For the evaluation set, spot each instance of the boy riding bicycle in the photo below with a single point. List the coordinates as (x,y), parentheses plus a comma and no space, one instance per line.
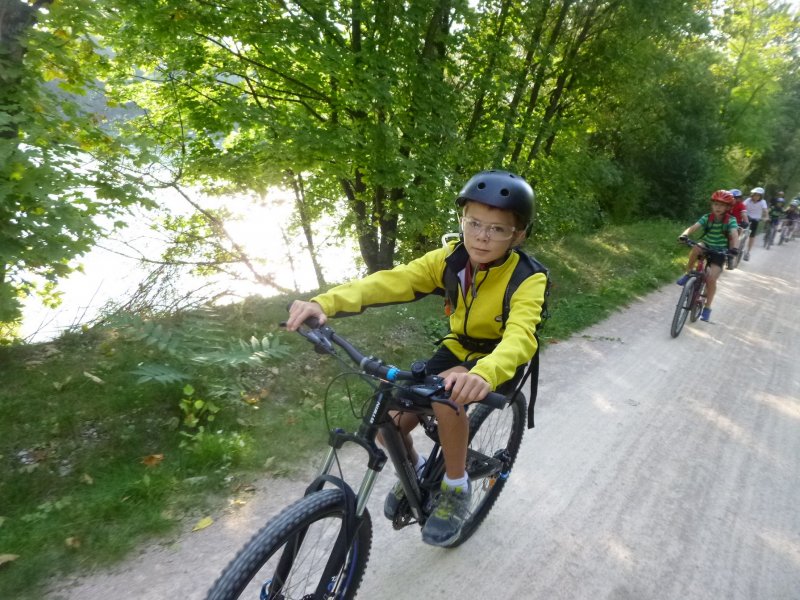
(757,209)
(720,233)
(483,351)
(776,213)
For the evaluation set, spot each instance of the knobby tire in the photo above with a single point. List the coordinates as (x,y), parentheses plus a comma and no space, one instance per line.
(302,539)
(698,299)
(492,433)
(769,236)
(742,249)
(683,307)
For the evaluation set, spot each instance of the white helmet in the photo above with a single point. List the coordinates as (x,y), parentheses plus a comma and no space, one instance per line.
(757,190)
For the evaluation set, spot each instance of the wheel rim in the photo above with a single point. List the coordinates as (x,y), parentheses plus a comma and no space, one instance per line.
(492,439)
(296,555)
(304,574)
(683,308)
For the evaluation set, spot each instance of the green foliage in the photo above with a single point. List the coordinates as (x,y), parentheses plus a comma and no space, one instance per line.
(379,111)
(196,412)
(199,348)
(62,178)
(159,373)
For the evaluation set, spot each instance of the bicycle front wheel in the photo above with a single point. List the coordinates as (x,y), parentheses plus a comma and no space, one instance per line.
(740,254)
(683,307)
(495,435)
(289,558)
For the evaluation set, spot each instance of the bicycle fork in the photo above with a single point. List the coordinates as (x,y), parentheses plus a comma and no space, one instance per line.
(377,460)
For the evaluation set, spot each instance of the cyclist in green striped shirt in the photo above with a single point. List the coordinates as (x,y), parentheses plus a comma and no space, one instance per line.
(720,232)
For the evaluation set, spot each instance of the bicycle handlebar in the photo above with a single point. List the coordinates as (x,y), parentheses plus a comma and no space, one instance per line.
(692,243)
(432,386)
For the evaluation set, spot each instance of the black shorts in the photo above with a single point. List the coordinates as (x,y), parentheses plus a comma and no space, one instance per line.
(716,259)
(444,359)
(753,226)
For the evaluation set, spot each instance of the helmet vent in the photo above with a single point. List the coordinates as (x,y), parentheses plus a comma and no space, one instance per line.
(481,186)
(504,192)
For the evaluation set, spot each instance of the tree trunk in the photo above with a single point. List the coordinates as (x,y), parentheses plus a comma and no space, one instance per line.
(541,72)
(15,17)
(522,84)
(486,75)
(375,210)
(545,128)
(305,224)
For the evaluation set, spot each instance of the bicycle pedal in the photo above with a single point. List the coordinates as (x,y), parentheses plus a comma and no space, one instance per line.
(479,465)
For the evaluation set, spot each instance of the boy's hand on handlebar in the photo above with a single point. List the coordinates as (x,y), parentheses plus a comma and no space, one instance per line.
(299,311)
(683,238)
(465,387)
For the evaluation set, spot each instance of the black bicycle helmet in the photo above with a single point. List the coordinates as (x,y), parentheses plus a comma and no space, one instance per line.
(500,189)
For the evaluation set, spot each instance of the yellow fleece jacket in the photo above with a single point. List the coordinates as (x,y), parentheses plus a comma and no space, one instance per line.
(477,316)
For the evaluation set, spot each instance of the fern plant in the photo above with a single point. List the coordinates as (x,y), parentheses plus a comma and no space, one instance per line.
(199,348)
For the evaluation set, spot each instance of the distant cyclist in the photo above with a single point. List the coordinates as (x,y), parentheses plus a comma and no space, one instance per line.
(739,209)
(720,232)
(740,212)
(792,217)
(776,212)
(757,209)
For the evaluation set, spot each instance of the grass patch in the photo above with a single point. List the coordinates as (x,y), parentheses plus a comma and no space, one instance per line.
(92,462)
(598,274)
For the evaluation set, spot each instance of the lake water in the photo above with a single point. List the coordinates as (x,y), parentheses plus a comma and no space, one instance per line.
(259,229)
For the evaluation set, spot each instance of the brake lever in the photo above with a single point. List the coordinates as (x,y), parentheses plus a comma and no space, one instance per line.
(447,402)
(322,344)
(445,397)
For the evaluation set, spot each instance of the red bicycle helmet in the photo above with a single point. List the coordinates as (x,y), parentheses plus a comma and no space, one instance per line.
(723,196)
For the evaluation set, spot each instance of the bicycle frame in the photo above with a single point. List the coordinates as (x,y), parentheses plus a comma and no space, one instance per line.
(378,419)
(337,522)
(696,284)
(699,273)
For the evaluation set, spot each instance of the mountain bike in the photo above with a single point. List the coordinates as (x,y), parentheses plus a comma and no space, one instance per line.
(772,226)
(318,547)
(693,295)
(744,235)
(786,231)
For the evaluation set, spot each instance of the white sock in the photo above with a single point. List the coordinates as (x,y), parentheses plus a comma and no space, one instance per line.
(462,482)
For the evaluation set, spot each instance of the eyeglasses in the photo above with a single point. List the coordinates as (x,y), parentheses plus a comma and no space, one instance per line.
(492,231)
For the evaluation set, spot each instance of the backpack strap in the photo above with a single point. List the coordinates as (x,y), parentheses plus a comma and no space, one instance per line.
(531,266)
(526,266)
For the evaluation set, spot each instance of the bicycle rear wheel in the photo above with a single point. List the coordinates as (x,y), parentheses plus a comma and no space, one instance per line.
(287,559)
(495,439)
(683,307)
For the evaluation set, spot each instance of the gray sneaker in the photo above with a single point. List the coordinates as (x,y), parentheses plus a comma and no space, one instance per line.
(392,502)
(451,508)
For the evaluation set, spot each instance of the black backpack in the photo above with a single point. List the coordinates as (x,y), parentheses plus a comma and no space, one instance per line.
(526,266)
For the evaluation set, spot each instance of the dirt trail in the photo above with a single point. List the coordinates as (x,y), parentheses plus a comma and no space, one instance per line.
(659,468)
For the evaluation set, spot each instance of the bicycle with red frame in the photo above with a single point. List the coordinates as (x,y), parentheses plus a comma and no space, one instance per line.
(693,294)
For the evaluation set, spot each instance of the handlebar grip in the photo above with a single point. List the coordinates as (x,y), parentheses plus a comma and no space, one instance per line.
(312,323)
(495,400)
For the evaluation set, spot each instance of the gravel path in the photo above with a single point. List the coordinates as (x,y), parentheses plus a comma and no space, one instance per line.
(659,468)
